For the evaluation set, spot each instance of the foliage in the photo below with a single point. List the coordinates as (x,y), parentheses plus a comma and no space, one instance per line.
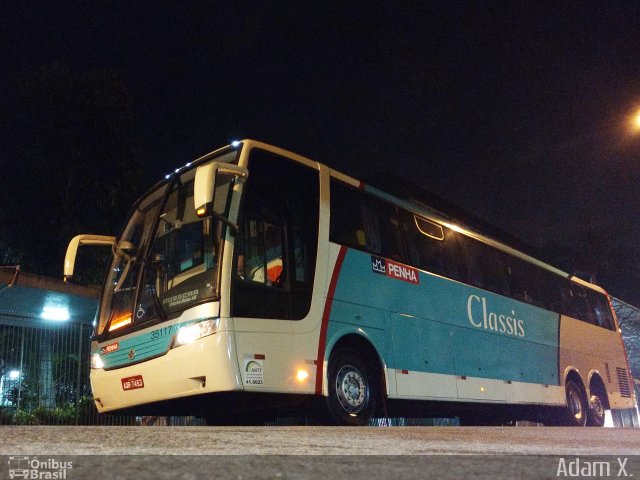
(84,413)
(74,157)
(24,417)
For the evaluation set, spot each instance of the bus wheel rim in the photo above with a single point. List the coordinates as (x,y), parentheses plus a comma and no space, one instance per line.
(597,408)
(575,403)
(352,389)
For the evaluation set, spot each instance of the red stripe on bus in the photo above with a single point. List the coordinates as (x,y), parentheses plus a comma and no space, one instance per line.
(325,317)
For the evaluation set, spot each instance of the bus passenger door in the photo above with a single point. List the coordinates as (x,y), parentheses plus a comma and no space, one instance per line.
(259,275)
(273,274)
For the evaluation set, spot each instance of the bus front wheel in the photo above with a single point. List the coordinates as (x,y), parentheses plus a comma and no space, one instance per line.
(353,389)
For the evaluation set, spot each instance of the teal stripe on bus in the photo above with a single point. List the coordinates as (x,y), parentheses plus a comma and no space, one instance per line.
(443,326)
(139,347)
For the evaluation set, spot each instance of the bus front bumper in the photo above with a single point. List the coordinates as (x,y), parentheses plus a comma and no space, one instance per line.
(207,365)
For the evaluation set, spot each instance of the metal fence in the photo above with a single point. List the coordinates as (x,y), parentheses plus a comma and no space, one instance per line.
(44,373)
(629,320)
(44,376)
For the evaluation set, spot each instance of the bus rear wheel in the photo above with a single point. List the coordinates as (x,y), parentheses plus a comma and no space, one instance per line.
(353,389)
(595,415)
(576,414)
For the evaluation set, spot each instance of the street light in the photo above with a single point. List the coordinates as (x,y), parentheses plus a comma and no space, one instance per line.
(55,313)
(636,121)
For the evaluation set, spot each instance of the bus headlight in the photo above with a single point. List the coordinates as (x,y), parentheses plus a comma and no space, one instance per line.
(193,332)
(96,361)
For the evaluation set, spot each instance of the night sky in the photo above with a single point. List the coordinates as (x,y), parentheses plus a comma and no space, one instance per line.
(514,111)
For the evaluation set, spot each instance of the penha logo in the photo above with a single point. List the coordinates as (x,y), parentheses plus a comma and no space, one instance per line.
(109,348)
(395,270)
(378,265)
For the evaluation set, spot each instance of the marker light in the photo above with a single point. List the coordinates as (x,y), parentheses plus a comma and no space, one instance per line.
(302,375)
(120,322)
(191,333)
(235,143)
(96,361)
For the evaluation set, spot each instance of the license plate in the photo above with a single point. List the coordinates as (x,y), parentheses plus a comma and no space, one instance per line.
(131,383)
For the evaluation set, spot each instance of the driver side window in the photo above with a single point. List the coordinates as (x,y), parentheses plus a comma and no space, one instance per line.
(275,248)
(260,248)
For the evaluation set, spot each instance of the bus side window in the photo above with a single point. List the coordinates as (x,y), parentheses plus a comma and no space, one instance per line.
(346,217)
(581,303)
(552,290)
(382,230)
(260,249)
(487,266)
(601,309)
(570,300)
(427,252)
(526,283)
(276,248)
(361,221)
(371,225)
(431,246)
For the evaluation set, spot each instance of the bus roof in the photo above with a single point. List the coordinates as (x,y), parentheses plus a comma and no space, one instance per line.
(426,211)
(414,206)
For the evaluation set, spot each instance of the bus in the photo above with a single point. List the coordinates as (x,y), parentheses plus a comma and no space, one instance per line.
(255,278)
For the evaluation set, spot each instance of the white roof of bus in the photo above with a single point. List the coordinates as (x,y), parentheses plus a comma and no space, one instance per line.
(425,211)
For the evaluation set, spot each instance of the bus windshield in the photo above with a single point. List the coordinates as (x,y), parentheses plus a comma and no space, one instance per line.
(167,257)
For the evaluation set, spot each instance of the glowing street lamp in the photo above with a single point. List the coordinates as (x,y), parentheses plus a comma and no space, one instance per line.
(632,125)
(636,121)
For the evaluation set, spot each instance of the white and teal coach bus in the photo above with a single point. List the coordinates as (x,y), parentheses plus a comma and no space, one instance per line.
(254,277)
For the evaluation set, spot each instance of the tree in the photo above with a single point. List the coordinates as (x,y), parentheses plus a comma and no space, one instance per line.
(72,163)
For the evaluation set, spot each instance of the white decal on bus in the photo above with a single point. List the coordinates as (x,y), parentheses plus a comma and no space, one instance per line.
(507,324)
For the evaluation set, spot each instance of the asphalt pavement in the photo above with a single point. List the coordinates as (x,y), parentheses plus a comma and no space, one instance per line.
(319,452)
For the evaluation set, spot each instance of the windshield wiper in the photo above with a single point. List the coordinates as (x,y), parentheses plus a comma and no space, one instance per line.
(157,303)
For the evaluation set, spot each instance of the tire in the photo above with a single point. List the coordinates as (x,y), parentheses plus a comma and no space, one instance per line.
(353,389)
(595,413)
(577,409)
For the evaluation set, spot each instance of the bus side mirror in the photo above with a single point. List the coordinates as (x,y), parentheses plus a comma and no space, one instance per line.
(75,243)
(205,184)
